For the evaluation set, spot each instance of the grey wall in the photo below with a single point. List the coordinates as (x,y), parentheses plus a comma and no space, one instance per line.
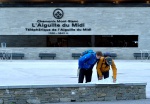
(46,94)
(101,21)
(64,53)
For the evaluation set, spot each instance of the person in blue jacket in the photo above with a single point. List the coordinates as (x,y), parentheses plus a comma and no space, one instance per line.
(86,64)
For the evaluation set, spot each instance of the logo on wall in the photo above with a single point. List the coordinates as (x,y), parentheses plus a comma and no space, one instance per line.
(58,13)
(58,26)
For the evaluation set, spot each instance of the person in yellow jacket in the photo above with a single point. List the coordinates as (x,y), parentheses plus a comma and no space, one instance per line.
(103,67)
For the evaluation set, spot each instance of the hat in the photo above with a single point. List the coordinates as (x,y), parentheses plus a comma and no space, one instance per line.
(108,60)
(107,54)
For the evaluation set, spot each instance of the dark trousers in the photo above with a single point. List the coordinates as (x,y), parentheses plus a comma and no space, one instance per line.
(85,73)
(105,74)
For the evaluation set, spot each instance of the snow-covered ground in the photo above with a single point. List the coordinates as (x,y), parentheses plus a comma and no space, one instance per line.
(47,72)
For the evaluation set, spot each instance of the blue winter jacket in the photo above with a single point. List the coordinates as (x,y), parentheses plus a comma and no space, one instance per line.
(87,61)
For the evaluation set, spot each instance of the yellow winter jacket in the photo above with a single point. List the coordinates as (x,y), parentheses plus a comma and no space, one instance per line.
(102,67)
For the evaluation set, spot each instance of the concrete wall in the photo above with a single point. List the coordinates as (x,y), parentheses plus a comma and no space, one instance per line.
(32,53)
(99,21)
(46,94)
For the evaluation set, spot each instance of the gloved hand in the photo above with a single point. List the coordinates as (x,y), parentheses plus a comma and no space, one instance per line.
(100,78)
(114,80)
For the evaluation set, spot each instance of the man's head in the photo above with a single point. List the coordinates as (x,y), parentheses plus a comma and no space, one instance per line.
(108,60)
(98,54)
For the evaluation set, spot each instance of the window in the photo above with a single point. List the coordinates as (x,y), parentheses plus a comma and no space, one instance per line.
(70,40)
(116,41)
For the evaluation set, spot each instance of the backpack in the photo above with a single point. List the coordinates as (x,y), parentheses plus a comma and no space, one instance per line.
(108,61)
(86,52)
(89,63)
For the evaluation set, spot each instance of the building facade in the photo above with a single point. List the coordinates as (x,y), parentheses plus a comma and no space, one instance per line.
(66,29)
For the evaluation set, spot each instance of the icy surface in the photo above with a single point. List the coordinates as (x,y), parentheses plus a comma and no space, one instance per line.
(48,72)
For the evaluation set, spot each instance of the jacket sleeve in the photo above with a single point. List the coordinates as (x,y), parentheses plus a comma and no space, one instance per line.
(83,60)
(98,67)
(114,69)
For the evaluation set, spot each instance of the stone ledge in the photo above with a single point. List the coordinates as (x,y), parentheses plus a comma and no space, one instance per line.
(72,85)
(42,94)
